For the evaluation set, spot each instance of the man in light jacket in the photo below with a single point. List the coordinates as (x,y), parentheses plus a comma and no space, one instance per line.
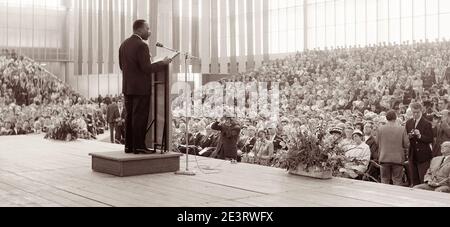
(437,177)
(393,143)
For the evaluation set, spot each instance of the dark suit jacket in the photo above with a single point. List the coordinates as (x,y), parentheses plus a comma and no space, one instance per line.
(207,141)
(248,146)
(420,149)
(196,139)
(277,143)
(442,134)
(20,131)
(112,113)
(227,146)
(375,154)
(136,65)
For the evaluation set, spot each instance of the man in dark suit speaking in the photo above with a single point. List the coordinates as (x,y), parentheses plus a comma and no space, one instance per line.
(136,65)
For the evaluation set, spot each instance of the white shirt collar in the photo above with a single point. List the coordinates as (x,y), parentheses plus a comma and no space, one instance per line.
(417,122)
(139,37)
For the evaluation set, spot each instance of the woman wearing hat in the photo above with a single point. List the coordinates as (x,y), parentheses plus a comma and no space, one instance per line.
(263,148)
(347,141)
(358,156)
(335,134)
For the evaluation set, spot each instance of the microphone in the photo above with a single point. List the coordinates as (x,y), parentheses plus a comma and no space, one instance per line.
(160,45)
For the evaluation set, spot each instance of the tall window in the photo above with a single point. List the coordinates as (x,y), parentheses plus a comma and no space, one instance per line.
(33,27)
(364,22)
(286,26)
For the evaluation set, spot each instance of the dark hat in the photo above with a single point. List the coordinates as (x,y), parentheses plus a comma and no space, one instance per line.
(336,130)
(358,132)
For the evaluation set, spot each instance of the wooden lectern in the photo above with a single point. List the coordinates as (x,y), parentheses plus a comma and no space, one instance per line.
(158,129)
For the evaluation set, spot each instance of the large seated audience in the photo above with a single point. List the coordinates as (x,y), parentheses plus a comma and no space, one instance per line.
(33,100)
(346,90)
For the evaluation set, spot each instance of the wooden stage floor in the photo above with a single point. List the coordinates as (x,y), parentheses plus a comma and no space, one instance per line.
(38,172)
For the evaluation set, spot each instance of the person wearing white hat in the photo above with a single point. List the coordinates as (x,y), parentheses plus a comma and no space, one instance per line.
(358,157)
(437,177)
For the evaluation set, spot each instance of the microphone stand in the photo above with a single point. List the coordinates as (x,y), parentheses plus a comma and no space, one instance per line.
(187,56)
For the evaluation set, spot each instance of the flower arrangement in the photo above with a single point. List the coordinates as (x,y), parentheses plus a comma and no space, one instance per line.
(64,131)
(313,150)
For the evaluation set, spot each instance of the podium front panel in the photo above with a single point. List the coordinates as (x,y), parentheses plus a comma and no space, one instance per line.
(159,117)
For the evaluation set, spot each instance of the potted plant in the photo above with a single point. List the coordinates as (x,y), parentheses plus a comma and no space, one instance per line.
(313,155)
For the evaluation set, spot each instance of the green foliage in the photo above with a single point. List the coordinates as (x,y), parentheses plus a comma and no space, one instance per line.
(313,150)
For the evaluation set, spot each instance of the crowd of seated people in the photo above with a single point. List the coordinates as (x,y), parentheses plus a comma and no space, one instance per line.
(34,101)
(351,89)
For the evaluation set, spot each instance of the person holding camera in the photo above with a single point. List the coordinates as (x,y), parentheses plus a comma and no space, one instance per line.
(229,135)
(420,133)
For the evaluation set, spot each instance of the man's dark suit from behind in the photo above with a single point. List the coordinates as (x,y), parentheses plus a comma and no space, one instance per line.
(112,114)
(136,65)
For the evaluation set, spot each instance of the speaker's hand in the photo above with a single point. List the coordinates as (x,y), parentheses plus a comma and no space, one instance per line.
(167,60)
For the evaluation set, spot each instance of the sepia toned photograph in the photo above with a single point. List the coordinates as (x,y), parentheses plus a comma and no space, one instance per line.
(224,104)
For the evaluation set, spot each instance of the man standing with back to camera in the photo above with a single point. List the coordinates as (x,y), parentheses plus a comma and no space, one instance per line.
(136,65)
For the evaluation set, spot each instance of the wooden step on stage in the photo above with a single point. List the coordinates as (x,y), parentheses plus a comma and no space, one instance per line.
(38,172)
(126,165)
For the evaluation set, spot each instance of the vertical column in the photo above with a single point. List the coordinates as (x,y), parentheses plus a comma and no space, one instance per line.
(65,27)
(214,37)
(67,40)
(95,38)
(90,59)
(185,31)
(223,38)
(135,10)
(86,34)
(165,20)
(33,31)
(258,33)
(142,7)
(100,37)
(195,38)
(95,35)
(65,45)
(438,18)
(115,77)
(176,32)
(266,30)
(242,59)
(111,37)
(305,24)
(19,44)
(84,40)
(130,16)
(76,40)
(206,36)
(105,34)
(122,20)
(367,24)
(79,68)
(250,37)
(233,57)
(153,17)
